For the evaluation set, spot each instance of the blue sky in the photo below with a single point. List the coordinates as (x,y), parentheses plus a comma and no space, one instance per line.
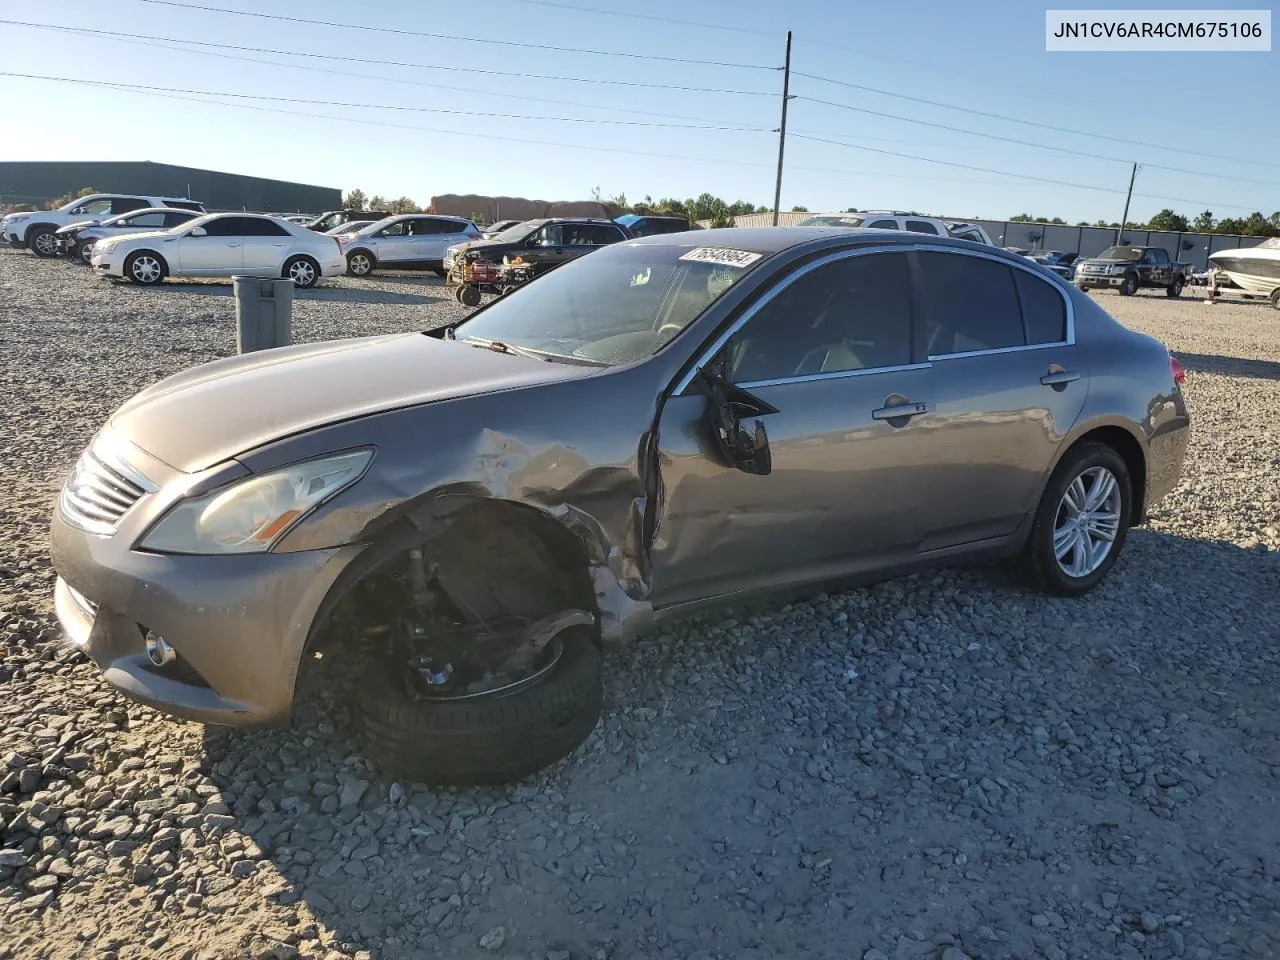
(986,56)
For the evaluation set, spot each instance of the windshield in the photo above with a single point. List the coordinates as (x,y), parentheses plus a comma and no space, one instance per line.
(373,227)
(618,305)
(832,220)
(1121,253)
(351,226)
(515,233)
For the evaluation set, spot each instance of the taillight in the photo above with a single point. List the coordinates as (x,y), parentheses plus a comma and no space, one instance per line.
(1179,375)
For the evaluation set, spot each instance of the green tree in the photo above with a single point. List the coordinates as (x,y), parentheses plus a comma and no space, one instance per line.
(1203,223)
(799,209)
(378,203)
(1230,225)
(1023,218)
(1168,221)
(403,205)
(1256,225)
(68,197)
(354,200)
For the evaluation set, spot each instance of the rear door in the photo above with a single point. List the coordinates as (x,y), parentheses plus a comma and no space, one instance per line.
(430,237)
(266,244)
(1008,385)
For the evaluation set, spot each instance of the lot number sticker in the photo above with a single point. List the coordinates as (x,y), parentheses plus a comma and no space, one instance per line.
(722,257)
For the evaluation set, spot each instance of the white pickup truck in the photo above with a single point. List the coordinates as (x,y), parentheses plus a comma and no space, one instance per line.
(37,230)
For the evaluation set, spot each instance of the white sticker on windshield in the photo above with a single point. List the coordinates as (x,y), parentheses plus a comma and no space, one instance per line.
(722,257)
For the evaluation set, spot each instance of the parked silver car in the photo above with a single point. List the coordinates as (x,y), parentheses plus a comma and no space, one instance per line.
(76,240)
(408,242)
(655,428)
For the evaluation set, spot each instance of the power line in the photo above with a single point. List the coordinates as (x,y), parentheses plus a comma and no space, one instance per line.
(652,19)
(330,71)
(1006,173)
(460,39)
(382,106)
(1026,143)
(1020,120)
(392,63)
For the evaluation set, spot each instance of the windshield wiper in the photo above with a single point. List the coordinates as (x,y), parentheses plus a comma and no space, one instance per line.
(501,346)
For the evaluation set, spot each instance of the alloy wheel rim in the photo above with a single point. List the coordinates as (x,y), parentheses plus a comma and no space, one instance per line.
(359,265)
(302,273)
(1087,522)
(46,243)
(86,252)
(146,269)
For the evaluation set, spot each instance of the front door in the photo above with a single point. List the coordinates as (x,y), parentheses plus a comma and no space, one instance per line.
(219,252)
(1008,385)
(831,351)
(546,248)
(393,243)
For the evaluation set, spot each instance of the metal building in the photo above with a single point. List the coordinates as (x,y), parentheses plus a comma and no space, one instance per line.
(38,182)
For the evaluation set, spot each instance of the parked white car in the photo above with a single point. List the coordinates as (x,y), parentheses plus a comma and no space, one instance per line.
(76,240)
(407,242)
(38,230)
(898,220)
(220,245)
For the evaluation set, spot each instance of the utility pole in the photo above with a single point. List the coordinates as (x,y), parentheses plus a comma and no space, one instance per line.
(1129,196)
(782,128)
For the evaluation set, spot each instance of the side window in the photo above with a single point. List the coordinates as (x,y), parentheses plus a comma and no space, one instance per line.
(176,219)
(97,207)
(227,227)
(125,204)
(262,227)
(398,229)
(971,304)
(922,226)
(154,220)
(1159,256)
(1044,313)
(854,314)
(883,225)
(552,235)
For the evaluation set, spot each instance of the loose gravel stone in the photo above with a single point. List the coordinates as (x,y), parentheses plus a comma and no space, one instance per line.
(914,769)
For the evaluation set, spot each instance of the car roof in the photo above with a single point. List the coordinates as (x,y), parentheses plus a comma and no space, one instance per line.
(771,240)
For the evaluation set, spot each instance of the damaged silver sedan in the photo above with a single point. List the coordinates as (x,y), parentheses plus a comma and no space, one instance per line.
(668,423)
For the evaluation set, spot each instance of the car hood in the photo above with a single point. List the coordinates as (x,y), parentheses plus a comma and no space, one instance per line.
(78,225)
(216,411)
(479,243)
(143,235)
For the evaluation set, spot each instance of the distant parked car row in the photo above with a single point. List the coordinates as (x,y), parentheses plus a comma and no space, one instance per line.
(38,230)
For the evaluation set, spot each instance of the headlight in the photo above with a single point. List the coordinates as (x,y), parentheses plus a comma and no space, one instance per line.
(252,514)
(104,246)
(16,219)
(1116,270)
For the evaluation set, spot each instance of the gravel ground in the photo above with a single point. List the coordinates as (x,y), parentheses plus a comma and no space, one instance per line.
(945,766)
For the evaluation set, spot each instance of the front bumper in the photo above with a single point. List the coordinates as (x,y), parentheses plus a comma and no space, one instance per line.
(108,264)
(1097,280)
(239,624)
(12,239)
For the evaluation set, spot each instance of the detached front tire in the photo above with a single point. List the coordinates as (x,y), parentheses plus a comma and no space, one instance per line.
(1082,521)
(486,739)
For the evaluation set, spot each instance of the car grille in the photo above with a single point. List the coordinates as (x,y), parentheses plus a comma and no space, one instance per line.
(100,490)
(1093,269)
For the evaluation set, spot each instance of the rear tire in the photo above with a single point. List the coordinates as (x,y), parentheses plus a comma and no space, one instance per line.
(303,271)
(1275,298)
(1130,285)
(485,739)
(1040,560)
(145,268)
(1174,289)
(42,241)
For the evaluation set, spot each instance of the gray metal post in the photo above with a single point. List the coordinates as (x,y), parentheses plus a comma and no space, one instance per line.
(1124,219)
(782,129)
(264,313)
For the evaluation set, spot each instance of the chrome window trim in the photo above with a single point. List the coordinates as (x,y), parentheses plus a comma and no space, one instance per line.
(834,375)
(767,297)
(983,255)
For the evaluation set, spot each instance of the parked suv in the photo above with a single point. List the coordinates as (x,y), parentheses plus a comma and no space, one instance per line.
(898,220)
(546,243)
(644,225)
(1129,269)
(76,240)
(38,230)
(336,218)
(411,241)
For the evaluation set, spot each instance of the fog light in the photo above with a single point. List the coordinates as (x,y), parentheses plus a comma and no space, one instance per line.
(158,650)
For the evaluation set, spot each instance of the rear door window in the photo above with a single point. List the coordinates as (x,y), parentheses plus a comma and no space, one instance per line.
(922,226)
(1044,312)
(883,225)
(971,304)
(262,227)
(125,204)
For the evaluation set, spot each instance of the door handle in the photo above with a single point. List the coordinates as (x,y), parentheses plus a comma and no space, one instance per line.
(899,411)
(233,244)
(1059,378)
(280,244)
